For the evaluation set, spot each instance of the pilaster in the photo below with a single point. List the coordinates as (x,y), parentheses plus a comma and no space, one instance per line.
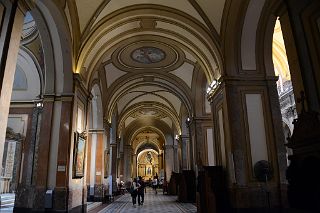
(247,129)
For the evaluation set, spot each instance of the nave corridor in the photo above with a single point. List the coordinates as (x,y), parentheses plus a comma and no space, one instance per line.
(153,203)
(217,101)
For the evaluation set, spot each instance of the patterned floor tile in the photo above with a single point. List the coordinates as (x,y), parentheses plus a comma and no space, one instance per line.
(153,203)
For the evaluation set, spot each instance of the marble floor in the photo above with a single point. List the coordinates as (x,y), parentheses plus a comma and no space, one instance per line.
(155,203)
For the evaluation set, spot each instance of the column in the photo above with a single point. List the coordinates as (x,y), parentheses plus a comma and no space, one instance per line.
(11,17)
(184,140)
(92,165)
(63,158)
(176,158)
(121,167)
(134,165)
(99,154)
(160,159)
(190,146)
(27,189)
(247,129)
(169,155)
(89,173)
(113,163)
(127,163)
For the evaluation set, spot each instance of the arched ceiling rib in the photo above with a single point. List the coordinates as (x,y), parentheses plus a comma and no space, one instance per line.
(149,21)
(147,54)
(149,110)
(140,89)
(91,12)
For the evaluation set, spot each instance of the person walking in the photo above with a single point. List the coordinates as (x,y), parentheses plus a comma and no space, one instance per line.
(155,184)
(134,191)
(141,191)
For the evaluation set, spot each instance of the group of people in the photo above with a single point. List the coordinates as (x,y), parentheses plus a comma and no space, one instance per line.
(137,189)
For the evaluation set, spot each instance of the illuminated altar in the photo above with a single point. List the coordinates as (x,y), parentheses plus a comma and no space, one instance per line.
(148,164)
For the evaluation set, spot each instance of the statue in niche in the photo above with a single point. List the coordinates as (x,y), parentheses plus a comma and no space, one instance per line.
(149,171)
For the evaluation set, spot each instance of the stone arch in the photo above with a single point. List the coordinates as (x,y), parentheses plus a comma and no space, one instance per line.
(135,129)
(249,34)
(56,42)
(33,87)
(276,10)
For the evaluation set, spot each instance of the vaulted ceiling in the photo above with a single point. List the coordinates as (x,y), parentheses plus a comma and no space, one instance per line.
(146,54)
(150,60)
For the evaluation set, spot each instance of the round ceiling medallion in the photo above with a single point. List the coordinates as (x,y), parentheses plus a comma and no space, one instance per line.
(148,55)
(153,54)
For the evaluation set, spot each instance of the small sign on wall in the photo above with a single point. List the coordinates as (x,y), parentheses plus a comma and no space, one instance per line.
(61,168)
(98,173)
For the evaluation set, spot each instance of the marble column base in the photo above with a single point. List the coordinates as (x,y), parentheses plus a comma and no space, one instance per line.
(60,199)
(98,192)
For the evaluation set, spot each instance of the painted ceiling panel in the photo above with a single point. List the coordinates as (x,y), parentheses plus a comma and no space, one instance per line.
(124,100)
(185,72)
(214,10)
(189,56)
(112,34)
(119,90)
(174,100)
(149,97)
(128,121)
(112,74)
(147,88)
(86,10)
(182,5)
(182,31)
(203,47)
(167,121)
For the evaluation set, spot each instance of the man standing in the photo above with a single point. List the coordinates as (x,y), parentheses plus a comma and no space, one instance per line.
(141,191)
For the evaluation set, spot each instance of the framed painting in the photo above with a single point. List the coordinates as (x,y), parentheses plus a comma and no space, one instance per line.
(79,155)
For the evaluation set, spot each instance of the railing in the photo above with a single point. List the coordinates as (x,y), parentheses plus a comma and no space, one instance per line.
(5,185)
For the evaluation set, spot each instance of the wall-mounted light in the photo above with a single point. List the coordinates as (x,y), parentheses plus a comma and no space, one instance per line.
(214,84)
(177,137)
(188,121)
(38,103)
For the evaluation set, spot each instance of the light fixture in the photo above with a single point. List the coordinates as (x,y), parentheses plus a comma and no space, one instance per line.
(214,84)
(38,102)
(177,137)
